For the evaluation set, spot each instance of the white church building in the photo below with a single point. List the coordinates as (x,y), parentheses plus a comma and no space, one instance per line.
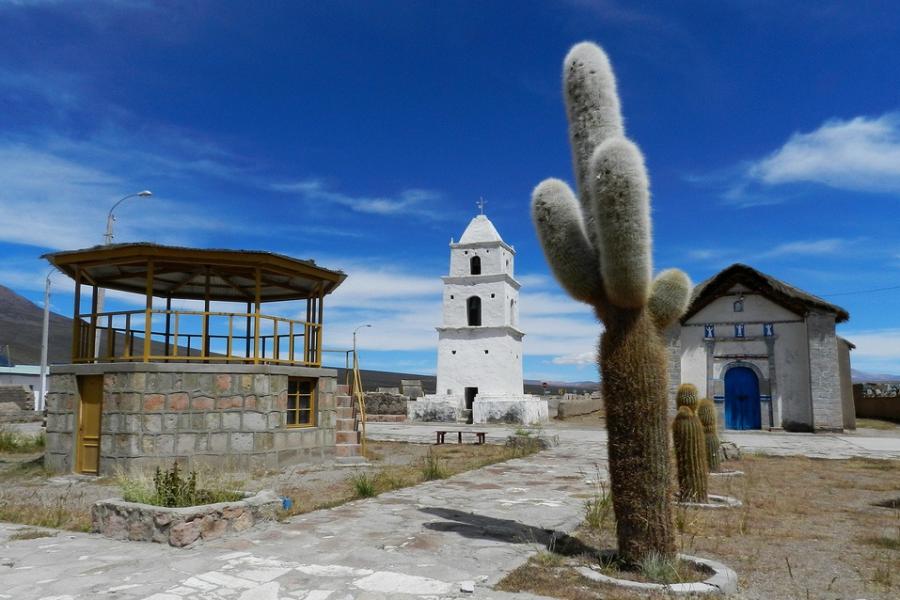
(479,362)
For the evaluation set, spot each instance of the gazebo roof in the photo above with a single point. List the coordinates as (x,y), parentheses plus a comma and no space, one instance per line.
(198,273)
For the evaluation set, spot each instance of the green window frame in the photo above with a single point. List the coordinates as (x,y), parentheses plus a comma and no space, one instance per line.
(301,403)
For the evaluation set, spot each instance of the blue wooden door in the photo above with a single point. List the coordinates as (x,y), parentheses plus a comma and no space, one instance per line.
(742,409)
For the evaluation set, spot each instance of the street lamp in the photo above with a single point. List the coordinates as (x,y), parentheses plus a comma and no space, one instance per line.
(107,240)
(45,338)
(354,338)
(110,218)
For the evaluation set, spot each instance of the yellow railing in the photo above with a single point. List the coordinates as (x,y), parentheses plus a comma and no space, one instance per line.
(197,336)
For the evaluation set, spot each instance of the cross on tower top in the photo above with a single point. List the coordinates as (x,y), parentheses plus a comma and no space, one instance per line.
(481,202)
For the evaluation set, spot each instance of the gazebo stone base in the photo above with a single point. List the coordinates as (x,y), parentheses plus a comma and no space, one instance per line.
(222,416)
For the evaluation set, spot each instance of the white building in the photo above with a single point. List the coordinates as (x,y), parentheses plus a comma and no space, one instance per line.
(479,369)
(766,352)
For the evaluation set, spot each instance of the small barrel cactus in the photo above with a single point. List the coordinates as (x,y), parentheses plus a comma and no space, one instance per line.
(687,396)
(690,456)
(706,412)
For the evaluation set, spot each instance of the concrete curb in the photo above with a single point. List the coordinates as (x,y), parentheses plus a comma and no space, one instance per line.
(715,502)
(722,582)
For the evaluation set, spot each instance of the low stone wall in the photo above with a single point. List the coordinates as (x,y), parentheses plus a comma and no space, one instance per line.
(385,418)
(181,527)
(437,409)
(578,406)
(515,410)
(384,403)
(16,397)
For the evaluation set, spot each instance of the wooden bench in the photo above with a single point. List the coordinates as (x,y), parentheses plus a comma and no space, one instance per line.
(479,436)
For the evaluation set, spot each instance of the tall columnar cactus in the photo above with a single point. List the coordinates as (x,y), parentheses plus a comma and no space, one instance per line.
(598,246)
(690,456)
(687,396)
(706,411)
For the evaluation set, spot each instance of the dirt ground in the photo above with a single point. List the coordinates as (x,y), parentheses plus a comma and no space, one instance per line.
(809,528)
(31,496)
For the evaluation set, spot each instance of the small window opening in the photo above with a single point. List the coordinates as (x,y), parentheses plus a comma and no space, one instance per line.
(492,295)
(473,306)
(485,351)
(475,265)
(301,403)
(453,352)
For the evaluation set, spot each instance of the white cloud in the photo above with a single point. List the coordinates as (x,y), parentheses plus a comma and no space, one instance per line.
(876,350)
(407,202)
(579,359)
(807,248)
(861,154)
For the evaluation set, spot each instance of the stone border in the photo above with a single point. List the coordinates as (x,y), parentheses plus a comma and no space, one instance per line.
(723,580)
(715,501)
(117,519)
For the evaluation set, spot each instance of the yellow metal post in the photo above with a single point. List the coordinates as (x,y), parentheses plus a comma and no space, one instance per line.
(360,402)
(148,313)
(256,317)
(76,318)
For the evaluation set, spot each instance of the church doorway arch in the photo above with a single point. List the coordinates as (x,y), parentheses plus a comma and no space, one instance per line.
(742,401)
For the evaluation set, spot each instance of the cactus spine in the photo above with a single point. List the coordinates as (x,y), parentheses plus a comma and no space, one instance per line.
(690,456)
(687,396)
(706,411)
(599,248)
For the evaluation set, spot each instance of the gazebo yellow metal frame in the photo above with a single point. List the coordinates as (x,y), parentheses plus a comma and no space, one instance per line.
(251,278)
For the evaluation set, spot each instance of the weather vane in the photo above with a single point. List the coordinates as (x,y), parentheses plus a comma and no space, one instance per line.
(481,202)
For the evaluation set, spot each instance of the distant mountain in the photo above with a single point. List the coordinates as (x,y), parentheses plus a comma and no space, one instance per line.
(865,377)
(21,322)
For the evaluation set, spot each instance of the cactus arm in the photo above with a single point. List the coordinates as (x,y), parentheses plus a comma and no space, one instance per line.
(560,228)
(669,297)
(592,107)
(621,207)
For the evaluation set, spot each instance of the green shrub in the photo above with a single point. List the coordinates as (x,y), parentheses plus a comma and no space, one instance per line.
(363,484)
(432,468)
(14,441)
(172,488)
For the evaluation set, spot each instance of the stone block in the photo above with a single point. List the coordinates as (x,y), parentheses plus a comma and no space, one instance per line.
(183,422)
(346,450)
(198,421)
(261,384)
(275,420)
(202,403)
(231,421)
(212,527)
(263,442)
(152,423)
(149,444)
(213,421)
(154,402)
(185,533)
(109,423)
(160,382)
(130,423)
(130,401)
(264,403)
(223,384)
(241,442)
(229,402)
(135,382)
(250,402)
(347,437)
(202,443)
(281,401)
(254,421)
(170,423)
(177,401)
(166,444)
(218,442)
(246,384)
(185,444)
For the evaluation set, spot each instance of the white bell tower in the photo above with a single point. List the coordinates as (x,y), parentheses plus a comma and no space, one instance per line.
(479,344)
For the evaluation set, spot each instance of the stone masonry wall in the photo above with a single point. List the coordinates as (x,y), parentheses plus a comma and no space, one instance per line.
(825,381)
(234,421)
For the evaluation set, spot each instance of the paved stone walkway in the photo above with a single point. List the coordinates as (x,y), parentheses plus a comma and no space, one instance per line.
(430,541)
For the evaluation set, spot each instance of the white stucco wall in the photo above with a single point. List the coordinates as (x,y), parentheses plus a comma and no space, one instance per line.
(496,257)
(494,310)
(790,388)
(463,362)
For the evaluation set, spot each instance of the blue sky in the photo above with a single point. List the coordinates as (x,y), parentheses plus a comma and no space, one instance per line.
(361,134)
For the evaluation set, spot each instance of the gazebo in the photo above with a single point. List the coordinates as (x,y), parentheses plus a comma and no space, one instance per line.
(198,373)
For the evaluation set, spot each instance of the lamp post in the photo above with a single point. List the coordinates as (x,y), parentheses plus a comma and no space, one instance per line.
(107,240)
(45,338)
(111,218)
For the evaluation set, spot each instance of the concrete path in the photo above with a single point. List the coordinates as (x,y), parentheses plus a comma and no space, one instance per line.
(430,541)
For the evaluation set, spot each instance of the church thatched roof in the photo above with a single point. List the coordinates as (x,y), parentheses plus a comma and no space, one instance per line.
(786,295)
